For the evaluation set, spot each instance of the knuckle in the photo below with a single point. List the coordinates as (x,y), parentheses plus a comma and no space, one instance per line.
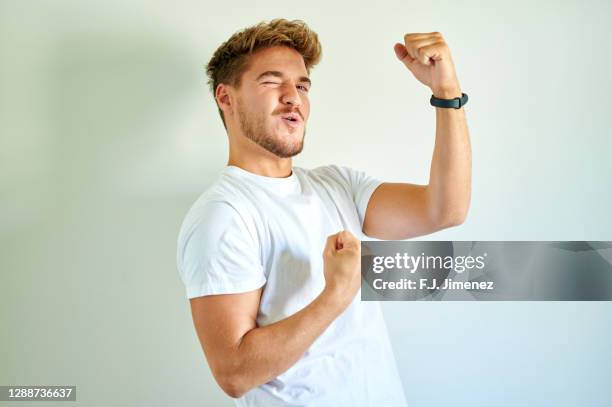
(409,37)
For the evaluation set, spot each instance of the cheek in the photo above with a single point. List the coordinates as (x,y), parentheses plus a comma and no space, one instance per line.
(306,107)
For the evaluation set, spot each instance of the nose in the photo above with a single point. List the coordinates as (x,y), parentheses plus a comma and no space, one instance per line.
(290,96)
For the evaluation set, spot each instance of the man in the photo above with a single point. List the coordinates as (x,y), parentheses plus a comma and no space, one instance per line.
(270,254)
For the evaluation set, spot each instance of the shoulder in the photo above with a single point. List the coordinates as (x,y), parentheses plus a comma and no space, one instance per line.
(217,253)
(329,174)
(339,175)
(224,197)
(330,170)
(215,227)
(213,212)
(216,211)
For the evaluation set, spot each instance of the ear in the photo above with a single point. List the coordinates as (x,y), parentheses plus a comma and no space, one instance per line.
(224,98)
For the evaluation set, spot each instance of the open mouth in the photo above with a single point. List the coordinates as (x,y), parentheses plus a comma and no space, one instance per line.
(291,120)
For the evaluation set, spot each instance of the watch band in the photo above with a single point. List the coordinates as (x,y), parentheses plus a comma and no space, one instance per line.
(455,103)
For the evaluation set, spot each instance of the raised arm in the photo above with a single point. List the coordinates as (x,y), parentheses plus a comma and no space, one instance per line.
(402,210)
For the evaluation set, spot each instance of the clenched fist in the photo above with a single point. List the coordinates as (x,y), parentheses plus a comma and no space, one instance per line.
(342,265)
(428,57)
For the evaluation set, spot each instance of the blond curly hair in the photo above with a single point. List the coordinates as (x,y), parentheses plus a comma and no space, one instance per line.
(230,60)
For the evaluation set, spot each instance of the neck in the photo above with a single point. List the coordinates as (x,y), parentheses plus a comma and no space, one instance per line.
(253,158)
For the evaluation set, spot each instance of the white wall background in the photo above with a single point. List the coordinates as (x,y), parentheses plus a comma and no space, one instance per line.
(108,133)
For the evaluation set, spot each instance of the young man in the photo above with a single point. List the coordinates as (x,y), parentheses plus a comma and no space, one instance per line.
(270,253)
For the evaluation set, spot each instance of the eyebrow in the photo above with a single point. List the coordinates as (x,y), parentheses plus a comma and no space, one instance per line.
(279,74)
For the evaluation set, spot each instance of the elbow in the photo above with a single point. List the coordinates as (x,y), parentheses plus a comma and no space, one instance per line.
(233,390)
(458,219)
(455,222)
(232,374)
(446,213)
(451,218)
(233,384)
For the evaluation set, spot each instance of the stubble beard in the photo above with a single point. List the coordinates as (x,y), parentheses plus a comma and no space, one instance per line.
(253,127)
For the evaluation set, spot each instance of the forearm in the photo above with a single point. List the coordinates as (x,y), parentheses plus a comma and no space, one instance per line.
(451,166)
(268,351)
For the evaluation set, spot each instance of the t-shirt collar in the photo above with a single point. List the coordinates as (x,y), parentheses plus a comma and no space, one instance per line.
(284,185)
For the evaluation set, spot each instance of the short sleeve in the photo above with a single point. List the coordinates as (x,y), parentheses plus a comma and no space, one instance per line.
(362,187)
(216,252)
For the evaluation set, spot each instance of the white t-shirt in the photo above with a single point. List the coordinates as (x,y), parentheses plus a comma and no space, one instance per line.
(248,231)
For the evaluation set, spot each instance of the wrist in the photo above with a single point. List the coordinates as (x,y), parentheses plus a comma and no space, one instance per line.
(336,297)
(447,93)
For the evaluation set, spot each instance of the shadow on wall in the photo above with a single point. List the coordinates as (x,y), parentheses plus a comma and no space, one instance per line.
(84,245)
(111,98)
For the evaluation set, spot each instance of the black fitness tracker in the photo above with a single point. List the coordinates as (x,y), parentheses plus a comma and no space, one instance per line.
(455,103)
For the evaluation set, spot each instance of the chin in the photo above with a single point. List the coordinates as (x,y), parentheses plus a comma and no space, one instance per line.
(290,150)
